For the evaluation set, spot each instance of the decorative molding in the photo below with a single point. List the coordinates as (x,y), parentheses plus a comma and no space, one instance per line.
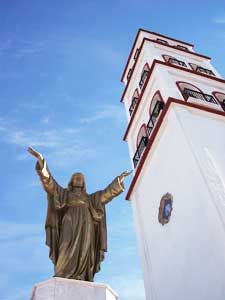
(146,82)
(159,43)
(154,33)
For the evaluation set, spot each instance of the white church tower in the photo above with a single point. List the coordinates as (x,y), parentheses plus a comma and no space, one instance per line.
(175,105)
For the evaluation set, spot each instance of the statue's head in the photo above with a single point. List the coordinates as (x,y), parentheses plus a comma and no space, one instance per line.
(77,180)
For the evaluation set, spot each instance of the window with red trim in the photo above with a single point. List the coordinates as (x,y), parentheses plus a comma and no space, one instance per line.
(155,109)
(142,141)
(174,61)
(200,69)
(129,74)
(142,133)
(144,75)
(166,57)
(220,97)
(189,90)
(134,101)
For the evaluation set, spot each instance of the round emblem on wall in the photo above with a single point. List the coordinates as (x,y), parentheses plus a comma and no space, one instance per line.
(165,208)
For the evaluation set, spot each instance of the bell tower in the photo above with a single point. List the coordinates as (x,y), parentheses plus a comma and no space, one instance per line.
(175,105)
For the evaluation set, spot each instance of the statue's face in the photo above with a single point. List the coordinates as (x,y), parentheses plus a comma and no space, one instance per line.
(78,180)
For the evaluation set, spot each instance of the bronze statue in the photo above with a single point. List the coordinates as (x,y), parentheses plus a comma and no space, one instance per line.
(76,222)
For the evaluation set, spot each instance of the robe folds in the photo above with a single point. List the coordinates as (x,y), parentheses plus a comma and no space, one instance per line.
(76,232)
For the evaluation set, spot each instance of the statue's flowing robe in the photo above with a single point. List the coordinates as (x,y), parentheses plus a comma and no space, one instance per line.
(76,227)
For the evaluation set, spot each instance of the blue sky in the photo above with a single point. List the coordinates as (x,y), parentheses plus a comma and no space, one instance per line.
(61,63)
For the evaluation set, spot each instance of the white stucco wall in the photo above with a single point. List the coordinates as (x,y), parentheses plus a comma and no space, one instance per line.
(164,79)
(137,45)
(150,52)
(184,259)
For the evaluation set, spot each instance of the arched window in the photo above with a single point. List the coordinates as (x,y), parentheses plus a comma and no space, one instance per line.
(142,141)
(166,57)
(157,98)
(144,75)
(141,133)
(190,90)
(187,89)
(155,109)
(220,97)
(174,61)
(200,69)
(134,101)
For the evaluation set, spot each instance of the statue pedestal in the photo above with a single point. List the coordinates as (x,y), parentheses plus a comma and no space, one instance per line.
(70,289)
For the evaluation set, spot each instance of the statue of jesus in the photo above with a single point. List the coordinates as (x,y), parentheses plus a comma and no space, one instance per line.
(76,222)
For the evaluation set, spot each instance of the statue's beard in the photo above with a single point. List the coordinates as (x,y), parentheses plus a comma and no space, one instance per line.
(77,188)
(77,185)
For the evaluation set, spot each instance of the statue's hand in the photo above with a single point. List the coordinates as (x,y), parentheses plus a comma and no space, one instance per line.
(124,174)
(35,153)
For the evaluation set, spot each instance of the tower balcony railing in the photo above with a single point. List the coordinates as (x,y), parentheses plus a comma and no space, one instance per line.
(143,78)
(175,61)
(154,116)
(195,94)
(223,104)
(162,41)
(182,47)
(129,74)
(203,70)
(136,53)
(140,149)
(133,104)
(151,123)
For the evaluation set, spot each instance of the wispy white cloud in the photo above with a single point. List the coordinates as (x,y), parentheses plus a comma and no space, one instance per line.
(60,144)
(61,45)
(64,145)
(24,138)
(220,20)
(19,48)
(45,119)
(39,137)
(72,154)
(108,112)
(55,138)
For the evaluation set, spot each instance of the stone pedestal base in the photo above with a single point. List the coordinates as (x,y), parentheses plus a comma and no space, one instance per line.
(70,289)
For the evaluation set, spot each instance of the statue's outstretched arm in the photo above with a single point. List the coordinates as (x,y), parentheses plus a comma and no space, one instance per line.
(49,183)
(115,188)
(36,154)
(41,161)
(124,174)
